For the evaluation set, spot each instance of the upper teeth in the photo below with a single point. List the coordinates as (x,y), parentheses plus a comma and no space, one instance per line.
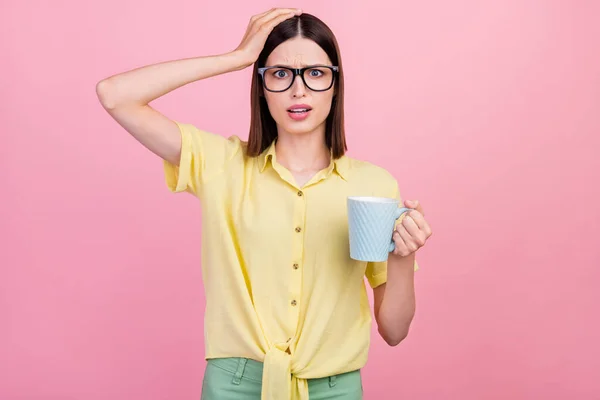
(299,109)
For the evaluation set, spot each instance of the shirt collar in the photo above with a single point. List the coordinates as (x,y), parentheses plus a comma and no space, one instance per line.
(341,165)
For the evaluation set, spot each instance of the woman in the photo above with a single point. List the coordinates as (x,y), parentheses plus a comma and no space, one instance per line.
(287,313)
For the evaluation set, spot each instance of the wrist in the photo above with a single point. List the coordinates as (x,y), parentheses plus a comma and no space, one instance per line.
(401,263)
(239,59)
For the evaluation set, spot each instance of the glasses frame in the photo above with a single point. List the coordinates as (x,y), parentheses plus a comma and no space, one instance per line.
(298,72)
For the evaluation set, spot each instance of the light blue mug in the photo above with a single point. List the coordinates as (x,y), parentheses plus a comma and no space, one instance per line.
(371,222)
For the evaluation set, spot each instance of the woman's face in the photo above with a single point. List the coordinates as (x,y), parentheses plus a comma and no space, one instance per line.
(298,53)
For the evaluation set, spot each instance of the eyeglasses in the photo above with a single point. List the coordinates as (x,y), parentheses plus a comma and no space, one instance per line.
(318,78)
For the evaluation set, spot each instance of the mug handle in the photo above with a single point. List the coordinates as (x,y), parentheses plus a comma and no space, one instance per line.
(399,212)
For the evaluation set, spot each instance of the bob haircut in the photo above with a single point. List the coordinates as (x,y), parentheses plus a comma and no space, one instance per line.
(263,130)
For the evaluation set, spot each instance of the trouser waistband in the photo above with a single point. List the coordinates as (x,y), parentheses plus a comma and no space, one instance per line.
(250,369)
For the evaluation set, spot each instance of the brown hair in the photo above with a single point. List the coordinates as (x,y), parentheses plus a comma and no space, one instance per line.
(263,129)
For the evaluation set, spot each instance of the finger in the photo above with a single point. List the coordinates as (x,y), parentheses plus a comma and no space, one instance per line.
(418,236)
(272,10)
(418,218)
(401,249)
(415,205)
(420,209)
(410,225)
(270,24)
(276,13)
(407,239)
(257,16)
(427,229)
(421,222)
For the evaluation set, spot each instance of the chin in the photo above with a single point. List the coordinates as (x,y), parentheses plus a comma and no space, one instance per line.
(300,127)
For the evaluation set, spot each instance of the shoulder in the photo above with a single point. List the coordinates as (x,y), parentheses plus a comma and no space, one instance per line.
(210,141)
(362,169)
(369,175)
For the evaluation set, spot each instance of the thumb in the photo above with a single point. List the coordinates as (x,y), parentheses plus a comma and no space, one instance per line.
(411,203)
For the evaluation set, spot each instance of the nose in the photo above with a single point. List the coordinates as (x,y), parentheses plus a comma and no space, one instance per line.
(298,88)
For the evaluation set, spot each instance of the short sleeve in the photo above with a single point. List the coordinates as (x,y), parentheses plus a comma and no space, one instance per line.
(376,272)
(204,155)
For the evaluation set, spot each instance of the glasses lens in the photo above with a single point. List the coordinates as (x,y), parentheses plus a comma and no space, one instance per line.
(317,78)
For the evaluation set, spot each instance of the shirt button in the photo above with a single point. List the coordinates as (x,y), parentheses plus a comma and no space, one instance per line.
(298,229)
(300,193)
(294,302)
(296,266)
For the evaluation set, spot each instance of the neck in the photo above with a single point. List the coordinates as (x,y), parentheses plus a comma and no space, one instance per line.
(302,152)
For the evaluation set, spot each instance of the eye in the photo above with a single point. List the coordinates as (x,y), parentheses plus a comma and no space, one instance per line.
(280,73)
(315,73)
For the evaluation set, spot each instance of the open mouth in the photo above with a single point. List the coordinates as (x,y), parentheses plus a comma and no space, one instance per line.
(299,110)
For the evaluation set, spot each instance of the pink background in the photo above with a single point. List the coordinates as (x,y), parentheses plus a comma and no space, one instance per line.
(487,112)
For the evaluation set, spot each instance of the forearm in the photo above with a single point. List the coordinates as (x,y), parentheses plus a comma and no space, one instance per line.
(397,308)
(142,85)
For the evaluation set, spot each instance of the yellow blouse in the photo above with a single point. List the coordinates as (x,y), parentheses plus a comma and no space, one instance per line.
(280,285)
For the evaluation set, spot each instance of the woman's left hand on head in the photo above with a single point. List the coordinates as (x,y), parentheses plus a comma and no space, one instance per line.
(413,231)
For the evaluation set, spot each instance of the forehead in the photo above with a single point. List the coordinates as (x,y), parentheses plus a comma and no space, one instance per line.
(298,52)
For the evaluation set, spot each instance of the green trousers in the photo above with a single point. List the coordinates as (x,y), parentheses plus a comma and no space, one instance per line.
(241,379)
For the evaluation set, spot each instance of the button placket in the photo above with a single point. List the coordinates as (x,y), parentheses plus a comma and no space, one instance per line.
(297,251)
